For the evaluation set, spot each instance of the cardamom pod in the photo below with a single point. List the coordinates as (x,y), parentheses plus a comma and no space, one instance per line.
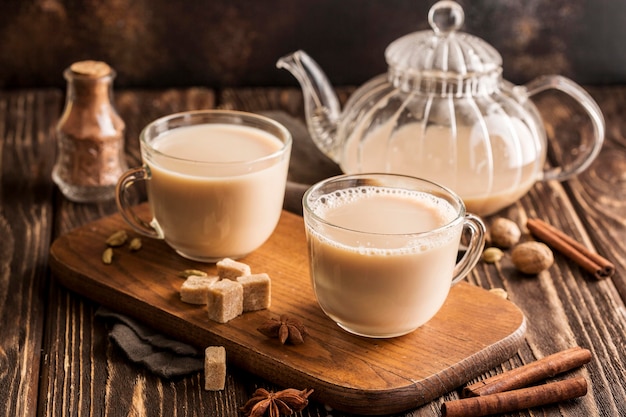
(107,256)
(499,292)
(492,255)
(135,244)
(189,272)
(117,239)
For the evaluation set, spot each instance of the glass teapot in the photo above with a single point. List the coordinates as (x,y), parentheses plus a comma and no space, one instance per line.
(443,112)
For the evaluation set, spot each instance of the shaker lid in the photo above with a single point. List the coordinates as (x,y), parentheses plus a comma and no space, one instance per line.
(443,57)
(89,68)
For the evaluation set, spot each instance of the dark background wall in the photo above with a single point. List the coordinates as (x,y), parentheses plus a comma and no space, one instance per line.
(168,43)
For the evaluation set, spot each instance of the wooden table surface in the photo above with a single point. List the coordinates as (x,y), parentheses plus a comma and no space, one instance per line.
(56,357)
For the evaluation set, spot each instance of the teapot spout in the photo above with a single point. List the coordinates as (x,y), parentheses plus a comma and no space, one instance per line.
(321,105)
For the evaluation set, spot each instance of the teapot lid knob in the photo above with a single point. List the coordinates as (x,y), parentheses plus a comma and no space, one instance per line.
(446,16)
(443,60)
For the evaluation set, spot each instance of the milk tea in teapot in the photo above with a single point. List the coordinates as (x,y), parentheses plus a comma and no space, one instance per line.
(488,177)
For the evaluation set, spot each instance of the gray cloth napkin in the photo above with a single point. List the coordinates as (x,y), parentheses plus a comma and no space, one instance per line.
(142,344)
(170,358)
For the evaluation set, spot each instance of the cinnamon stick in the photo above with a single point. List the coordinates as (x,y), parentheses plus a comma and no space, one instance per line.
(590,261)
(533,372)
(516,400)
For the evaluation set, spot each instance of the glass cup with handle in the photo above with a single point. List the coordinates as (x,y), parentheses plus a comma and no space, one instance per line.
(215,181)
(383,250)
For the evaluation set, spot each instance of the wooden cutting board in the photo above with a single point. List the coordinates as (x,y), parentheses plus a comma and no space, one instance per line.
(473,332)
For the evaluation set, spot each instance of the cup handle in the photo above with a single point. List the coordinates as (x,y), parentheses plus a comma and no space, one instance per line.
(587,153)
(474,247)
(127,179)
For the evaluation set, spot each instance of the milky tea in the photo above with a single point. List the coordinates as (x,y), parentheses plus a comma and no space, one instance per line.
(215,189)
(382,259)
(485,188)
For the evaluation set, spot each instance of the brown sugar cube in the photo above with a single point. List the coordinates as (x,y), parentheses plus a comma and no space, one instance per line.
(225,300)
(194,289)
(256,291)
(214,368)
(229,269)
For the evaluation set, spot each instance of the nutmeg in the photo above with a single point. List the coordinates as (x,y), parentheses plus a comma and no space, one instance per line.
(504,233)
(532,257)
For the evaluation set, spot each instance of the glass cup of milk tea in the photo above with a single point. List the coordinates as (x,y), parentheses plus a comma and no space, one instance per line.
(383,250)
(215,181)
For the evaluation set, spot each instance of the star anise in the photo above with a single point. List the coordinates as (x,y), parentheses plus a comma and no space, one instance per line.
(275,404)
(286,329)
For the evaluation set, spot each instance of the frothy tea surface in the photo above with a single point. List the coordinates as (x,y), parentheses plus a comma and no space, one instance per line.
(380,210)
(392,278)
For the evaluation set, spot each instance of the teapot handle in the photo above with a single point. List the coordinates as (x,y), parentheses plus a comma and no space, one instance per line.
(587,154)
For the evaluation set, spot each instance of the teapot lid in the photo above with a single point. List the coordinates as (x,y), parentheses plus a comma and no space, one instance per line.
(443,59)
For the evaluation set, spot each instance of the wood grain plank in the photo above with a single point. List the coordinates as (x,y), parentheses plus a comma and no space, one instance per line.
(598,206)
(25,230)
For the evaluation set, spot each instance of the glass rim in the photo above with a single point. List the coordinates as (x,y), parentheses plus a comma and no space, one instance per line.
(461,211)
(223,117)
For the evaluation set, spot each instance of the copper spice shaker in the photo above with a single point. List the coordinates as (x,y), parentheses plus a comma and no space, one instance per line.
(90,135)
